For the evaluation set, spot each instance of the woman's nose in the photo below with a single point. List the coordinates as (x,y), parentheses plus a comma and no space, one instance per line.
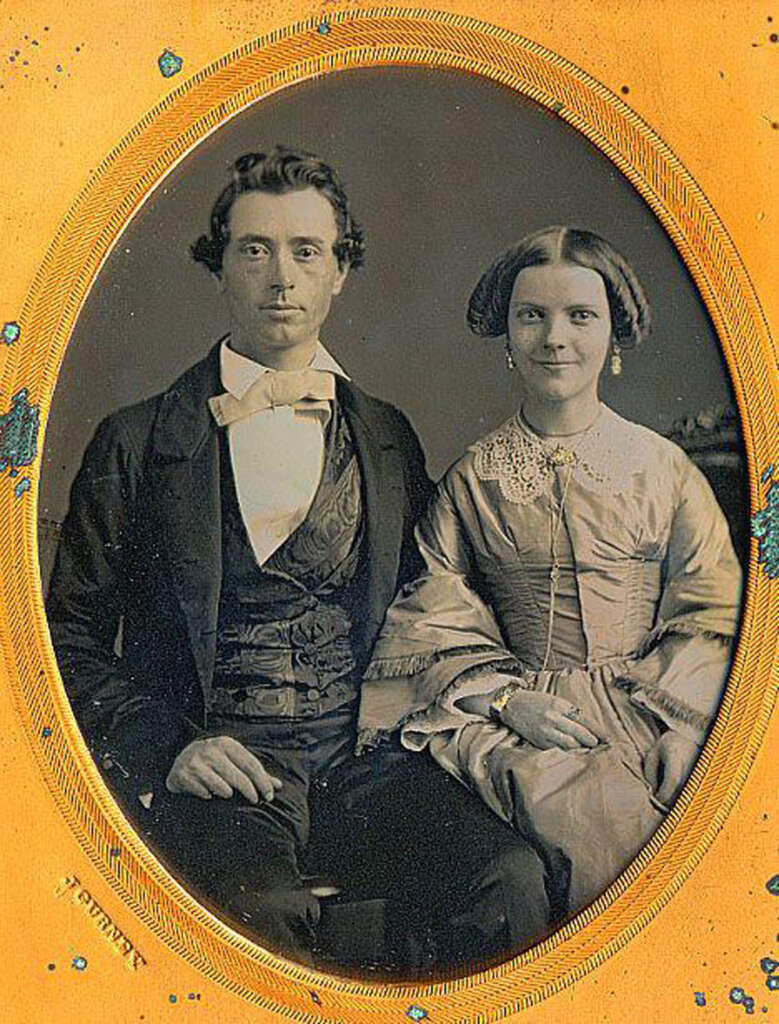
(555,333)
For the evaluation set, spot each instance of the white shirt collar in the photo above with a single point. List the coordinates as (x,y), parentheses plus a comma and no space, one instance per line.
(238,372)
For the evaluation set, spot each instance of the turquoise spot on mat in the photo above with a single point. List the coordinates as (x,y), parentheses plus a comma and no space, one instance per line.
(19,433)
(79,962)
(22,486)
(773,885)
(324,28)
(772,982)
(416,1013)
(11,332)
(169,63)
(46,731)
(700,999)
(765,527)
(768,965)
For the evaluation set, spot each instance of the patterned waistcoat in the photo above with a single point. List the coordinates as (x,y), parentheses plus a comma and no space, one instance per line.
(284,647)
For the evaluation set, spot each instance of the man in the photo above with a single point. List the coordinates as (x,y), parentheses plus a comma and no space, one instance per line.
(244,532)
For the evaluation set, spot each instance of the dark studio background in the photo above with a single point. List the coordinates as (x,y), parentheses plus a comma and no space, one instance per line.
(444,171)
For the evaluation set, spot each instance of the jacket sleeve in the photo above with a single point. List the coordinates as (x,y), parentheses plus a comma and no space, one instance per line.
(419,491)
(128,729)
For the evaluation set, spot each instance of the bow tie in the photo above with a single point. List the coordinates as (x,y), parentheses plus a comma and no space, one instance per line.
(306,388)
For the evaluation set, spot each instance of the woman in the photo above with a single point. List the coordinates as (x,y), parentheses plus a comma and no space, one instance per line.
(565,651)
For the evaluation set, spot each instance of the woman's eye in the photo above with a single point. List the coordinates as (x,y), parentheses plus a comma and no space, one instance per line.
(307,252)
(529,316)
(582,315)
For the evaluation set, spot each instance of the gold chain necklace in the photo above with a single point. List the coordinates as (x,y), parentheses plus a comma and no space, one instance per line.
(559,457)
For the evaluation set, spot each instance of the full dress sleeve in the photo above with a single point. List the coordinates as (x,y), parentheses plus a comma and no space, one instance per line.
(686,656)
(438,629)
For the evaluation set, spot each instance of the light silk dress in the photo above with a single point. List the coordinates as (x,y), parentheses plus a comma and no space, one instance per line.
(646,603)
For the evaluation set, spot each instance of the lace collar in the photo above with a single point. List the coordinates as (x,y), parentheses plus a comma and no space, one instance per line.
(603,458)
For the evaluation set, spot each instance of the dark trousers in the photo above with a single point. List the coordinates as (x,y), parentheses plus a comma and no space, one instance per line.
(389,825)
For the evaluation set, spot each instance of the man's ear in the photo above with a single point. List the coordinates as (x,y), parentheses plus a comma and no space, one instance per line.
(340,278)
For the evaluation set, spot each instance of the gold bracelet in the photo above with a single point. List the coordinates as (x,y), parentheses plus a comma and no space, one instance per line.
(502,697)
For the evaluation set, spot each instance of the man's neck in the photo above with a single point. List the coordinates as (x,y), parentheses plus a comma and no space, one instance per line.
(296,357)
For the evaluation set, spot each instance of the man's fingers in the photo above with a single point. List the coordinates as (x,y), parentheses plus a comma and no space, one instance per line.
(214,782)
(184,783)
(264,783)
(236,779)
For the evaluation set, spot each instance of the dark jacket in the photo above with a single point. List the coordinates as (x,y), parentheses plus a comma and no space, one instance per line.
(140,554)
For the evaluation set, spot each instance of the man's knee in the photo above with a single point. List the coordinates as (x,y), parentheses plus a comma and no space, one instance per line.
(284,919)
(507,904)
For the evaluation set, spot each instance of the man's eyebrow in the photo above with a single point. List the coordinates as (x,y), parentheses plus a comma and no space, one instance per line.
(297,240)
(253,238)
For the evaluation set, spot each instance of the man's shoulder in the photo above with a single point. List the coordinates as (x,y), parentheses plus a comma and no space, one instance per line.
(361,402)
(137,421)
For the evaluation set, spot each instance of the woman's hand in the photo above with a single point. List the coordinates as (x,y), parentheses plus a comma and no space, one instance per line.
(547,721)
(668,764)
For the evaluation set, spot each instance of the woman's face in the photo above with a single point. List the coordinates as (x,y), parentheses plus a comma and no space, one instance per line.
(559,330)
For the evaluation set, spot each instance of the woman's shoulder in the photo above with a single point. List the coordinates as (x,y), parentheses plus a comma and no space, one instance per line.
(640,444)
(637,435)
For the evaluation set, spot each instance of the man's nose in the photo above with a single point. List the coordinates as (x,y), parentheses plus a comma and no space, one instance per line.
(282,271)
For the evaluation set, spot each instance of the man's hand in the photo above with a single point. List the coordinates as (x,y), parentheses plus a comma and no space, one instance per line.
(668,764)
(548,721)
(217,767)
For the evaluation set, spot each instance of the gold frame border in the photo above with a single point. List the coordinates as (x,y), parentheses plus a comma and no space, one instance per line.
(370,38)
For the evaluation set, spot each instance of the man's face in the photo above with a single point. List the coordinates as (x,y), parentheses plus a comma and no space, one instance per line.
(279,271)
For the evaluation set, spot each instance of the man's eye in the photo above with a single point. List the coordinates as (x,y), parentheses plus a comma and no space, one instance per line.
(254,250)
(582,315)
(307,252)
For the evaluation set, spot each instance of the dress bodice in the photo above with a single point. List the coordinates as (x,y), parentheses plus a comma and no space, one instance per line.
(608,590)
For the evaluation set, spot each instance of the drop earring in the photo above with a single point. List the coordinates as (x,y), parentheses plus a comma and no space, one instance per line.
(616,360)
(510,364)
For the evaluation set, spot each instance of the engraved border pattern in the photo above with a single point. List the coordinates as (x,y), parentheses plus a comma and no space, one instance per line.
(369,38)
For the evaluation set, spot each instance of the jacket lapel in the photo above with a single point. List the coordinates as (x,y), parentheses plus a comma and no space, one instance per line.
(184,471)
(185,480)
(383,495)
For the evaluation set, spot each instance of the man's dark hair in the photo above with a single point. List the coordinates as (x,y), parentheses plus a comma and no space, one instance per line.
(283,170)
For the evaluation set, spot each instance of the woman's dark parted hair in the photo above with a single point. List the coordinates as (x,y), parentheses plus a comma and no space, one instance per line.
(283,170)
(630,313)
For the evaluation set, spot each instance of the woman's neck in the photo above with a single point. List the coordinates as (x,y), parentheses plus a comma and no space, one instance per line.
(561,419)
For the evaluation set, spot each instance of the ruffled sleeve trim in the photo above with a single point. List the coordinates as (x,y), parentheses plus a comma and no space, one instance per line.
(682,628)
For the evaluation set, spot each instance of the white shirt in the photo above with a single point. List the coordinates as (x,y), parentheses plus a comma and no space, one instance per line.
(277,454)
